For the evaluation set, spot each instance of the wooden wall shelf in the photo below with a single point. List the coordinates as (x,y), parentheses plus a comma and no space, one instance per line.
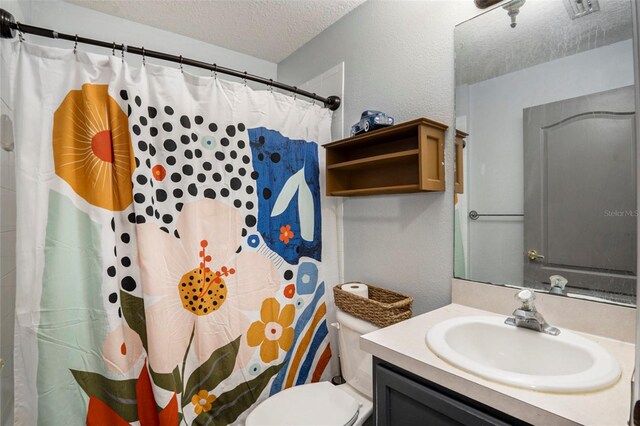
(407,157)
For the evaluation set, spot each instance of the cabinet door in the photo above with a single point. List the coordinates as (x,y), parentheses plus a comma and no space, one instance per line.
(459,164)
(402,401)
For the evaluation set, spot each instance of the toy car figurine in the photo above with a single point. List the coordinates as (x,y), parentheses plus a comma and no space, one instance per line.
(371,120)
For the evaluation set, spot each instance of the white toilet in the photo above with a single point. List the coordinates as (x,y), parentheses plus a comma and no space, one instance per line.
(323,404)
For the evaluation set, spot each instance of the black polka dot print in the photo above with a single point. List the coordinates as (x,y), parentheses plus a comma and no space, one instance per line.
(128,283)
(236,183)
(169,145)
(250,220)
(200,158)
(161,195)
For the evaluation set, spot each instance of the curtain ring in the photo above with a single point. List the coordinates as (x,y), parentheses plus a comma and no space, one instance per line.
(214,71)
(314,99)
(295,93)
(113,49)
(270,85)
(75,45)
(124,48)
(144,61)
(20,35)
(181,69)
(244,80)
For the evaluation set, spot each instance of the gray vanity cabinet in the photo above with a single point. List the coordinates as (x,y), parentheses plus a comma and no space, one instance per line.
(403,399)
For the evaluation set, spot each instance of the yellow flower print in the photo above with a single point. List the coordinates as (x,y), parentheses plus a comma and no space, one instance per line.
(273,331)
(202,401)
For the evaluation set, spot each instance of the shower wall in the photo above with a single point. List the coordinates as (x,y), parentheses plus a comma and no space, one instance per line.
(7,236)
(7,233)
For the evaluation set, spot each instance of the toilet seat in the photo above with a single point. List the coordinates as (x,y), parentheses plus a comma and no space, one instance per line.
(315,404)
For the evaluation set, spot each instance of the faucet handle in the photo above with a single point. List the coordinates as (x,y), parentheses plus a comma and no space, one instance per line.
(526,298)
(558,281)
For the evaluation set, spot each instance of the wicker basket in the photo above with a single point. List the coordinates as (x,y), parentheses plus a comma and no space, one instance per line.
(382,308)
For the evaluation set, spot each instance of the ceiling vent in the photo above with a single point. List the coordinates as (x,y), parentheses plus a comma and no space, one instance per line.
(580,8)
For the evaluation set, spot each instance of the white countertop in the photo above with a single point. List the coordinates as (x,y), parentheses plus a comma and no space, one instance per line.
(404,345)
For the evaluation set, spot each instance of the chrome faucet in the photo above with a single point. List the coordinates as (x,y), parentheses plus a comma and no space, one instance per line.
(558,282)
(526,316)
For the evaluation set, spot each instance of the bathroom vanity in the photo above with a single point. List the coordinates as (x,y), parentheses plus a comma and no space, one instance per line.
(401,397)
(411,380)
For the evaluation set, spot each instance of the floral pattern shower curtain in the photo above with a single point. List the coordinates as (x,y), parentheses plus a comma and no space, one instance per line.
(172,265)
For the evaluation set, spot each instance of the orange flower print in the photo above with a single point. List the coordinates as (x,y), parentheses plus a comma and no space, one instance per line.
(158,171)
(273,330)
(286,233)
(289,291)
(92,147)
(202,401)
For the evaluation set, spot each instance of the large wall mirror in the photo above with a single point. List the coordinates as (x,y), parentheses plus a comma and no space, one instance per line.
(544,89)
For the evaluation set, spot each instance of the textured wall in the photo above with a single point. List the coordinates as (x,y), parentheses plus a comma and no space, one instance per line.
(72,19)
(398,58)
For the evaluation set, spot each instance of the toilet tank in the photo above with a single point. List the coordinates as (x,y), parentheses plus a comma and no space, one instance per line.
(355,363)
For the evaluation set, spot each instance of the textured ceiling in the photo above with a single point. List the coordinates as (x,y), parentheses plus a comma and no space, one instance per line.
(267,29)
(486,46)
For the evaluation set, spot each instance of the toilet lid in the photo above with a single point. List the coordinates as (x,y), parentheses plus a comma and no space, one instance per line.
(314,404)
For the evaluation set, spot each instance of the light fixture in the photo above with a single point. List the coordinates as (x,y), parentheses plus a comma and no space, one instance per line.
(580,8)
(513,8)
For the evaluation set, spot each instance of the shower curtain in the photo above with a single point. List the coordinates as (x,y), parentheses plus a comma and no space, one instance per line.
(174,247)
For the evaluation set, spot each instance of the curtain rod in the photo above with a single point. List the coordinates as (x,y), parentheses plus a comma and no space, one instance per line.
(9,27)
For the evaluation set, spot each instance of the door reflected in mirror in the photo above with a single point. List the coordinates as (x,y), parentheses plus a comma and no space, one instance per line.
(549,163)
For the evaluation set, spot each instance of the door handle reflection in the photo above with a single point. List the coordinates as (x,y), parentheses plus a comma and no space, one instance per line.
(534,255)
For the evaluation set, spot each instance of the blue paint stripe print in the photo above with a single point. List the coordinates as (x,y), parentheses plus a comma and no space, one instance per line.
(318,338)
(304,319)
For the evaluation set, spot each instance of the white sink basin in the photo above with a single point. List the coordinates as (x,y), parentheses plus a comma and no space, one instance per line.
(487,347)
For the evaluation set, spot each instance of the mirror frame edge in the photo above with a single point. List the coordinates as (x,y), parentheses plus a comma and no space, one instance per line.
(634,417)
